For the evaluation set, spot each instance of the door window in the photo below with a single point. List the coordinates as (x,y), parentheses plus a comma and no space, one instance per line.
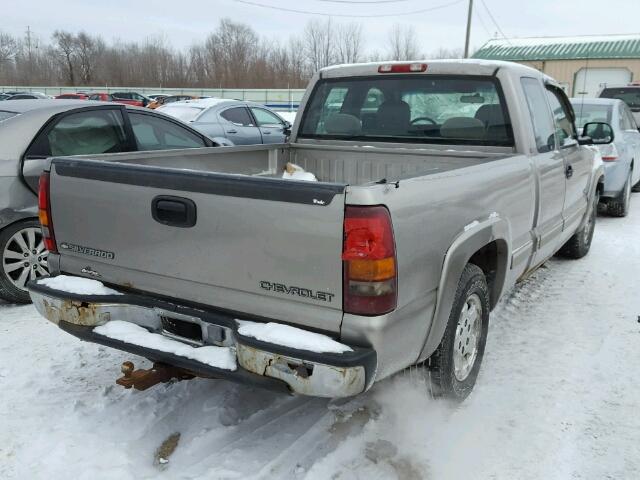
(238,116)
(153,133)
(83,133)
(266,118)
(565,130)
(543,126)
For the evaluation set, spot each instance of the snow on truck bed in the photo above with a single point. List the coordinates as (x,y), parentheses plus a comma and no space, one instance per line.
(219,357)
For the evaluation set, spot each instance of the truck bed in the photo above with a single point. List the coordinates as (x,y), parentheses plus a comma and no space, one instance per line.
(347,165)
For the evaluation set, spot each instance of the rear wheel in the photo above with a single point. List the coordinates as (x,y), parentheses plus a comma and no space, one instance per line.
(453,368)
(580,243)
(23,258)
(619,207)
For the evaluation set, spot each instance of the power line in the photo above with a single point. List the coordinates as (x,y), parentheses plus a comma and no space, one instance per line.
(484,25)
(306,12)
(494,22)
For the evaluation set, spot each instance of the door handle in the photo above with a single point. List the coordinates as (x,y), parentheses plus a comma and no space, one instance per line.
(266,132)
(232,131)
(174,211)
(568,171)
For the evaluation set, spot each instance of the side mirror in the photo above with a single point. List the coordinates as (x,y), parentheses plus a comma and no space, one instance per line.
(286,129)
(596,133)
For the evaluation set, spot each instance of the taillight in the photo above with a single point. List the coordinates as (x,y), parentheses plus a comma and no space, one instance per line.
(403,68)
(369,261)
(609,152)
(44,213)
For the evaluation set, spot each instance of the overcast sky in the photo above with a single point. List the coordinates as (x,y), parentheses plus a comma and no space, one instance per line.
(184,22)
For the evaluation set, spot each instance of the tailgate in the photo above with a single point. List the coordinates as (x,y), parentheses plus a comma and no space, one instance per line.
(261,246)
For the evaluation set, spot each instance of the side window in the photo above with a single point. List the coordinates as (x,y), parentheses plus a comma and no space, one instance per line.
(565,130)
(94,97)
(543,126)
(83,133)
(153,133)
(265,118)
(238,116)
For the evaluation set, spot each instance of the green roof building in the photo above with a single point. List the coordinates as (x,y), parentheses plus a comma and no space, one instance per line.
(583,65)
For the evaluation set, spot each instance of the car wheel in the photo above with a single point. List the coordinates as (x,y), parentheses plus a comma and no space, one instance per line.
(580,243)
(453,368)
(619,207)
(23,258)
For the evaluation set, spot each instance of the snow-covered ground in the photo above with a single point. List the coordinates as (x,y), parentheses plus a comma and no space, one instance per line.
(557,399)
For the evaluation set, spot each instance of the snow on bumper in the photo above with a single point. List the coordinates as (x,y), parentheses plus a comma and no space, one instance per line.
(340,373)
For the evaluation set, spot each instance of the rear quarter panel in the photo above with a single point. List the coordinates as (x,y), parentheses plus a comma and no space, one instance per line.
(429,213)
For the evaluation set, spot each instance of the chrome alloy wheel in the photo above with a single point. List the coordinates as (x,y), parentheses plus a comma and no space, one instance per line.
(24,257)
(467,340)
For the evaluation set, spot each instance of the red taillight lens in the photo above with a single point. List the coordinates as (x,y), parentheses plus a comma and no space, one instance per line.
(44,213)
(403,68)
(369,261)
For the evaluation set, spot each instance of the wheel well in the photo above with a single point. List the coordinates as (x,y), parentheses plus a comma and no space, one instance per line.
(491,260)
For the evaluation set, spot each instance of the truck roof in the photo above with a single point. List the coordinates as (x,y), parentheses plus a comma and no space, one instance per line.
(453,67)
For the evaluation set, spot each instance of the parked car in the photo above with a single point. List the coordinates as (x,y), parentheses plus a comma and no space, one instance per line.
(237,121)
(28,96)
(130,98)
(622,157)
(170,99)
(101,97)
(427,209)
(31,131)
(72,96)
(630,94)
(156,96)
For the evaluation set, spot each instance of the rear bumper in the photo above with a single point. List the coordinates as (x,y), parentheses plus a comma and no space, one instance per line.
(263,364)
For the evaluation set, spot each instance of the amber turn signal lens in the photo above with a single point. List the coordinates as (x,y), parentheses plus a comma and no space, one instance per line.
(42,216)
(372,270)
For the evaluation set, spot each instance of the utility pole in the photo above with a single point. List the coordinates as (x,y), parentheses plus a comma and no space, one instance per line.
(466,42)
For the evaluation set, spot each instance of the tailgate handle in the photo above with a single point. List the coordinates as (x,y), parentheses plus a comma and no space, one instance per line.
(174,211)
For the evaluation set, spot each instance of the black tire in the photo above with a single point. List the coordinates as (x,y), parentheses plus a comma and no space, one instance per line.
(636,188)
(619,206)
(580,243)
(445,380)
(9,290)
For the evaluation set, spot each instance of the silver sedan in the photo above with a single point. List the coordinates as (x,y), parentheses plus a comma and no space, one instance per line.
(230,122)
(622,157)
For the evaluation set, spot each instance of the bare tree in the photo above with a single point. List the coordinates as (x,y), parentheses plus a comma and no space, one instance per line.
(67,49)
(443,52)
(89,51)
(348,43)
(403,43)
(319,44)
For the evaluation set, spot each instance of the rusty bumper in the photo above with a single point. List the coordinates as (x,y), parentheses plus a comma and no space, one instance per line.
(262,364)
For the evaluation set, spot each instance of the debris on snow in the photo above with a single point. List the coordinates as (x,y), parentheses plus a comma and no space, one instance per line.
(288,336)
(79,285)
(219,357)
(167,448)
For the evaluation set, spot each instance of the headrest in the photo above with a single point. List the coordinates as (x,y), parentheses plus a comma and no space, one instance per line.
(462,127)
(342,124)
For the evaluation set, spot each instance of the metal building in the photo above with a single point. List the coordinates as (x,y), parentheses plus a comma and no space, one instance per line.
(583,65)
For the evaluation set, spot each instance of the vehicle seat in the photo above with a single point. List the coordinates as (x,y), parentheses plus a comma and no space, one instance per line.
(342,124)
(394,118)
(493,119)
(467,128)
